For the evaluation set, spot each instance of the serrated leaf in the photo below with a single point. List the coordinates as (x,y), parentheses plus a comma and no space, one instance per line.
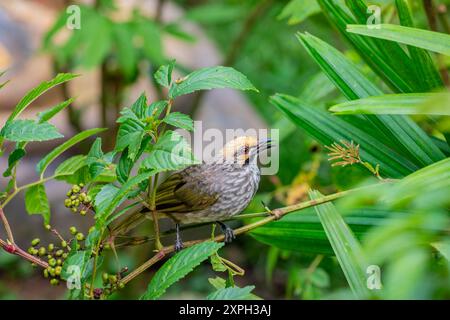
(29,130)
(217,282)
(131,132)
(44,163)
(346,247)
(178,267)
(13,158)
(210,78)
(36,202)
(180,120)
(71,165)
(171,152)
(156,108)
(232,293)
(164,74)
(50,113)
(95,153)
(140,106)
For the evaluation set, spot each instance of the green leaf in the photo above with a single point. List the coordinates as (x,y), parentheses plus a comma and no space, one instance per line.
(13,159)
(347,249)
(178,267)
(95,153)
(426,72)
(113,202)
(126,52)
(71,165)
(139,107)
(429,40)
(164,74)
(171,152)
(216,13)
(210,78)
(180,120)
(328,129)
(38,91)
(156,108)
(29,130)
(44,163)
(443,248)
(131,132)
(151,36)
(103,197)
(299,10)
(302,231)
(398,132)
(407,103)
(232,293)
(50,113)
(96,45)
(36,202)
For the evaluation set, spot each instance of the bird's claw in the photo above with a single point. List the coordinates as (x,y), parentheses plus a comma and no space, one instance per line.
(229,235)
(178,245)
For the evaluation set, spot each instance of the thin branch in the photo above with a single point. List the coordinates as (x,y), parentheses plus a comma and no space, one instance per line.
(14,249)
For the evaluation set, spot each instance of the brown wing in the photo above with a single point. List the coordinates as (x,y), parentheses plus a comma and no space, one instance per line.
(176,195)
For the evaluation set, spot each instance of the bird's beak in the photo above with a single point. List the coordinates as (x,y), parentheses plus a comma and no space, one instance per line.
(264,145)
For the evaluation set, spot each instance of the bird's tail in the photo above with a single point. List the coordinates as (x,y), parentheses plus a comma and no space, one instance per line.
(132,221)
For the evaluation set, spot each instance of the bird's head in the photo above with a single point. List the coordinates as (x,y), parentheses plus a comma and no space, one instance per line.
(244,150)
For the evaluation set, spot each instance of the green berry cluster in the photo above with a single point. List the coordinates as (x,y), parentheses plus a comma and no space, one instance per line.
(111,282)
(55,255)
(77,200)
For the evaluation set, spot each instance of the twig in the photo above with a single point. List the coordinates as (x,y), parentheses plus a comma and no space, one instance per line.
(14,249)
(7,226)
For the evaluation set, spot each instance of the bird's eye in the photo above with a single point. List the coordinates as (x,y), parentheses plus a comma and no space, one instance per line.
(246,149)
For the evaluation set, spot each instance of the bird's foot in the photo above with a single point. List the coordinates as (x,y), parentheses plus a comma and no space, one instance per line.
(275,213)
(227,232)
(178,243)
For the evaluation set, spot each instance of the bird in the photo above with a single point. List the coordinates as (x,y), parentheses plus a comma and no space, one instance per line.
(209,192)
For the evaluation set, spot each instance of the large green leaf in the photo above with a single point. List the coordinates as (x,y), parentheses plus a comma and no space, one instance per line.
(44,163)
(36,202)
(171,152)
(429,40)
(164,74)
(178,267)
(131,132)
(398,132)
(328,129)
(346,247)
(211,78)
(407,103)
(29,130)
(113,202)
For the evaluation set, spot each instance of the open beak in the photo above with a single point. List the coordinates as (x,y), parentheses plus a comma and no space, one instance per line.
(264,145)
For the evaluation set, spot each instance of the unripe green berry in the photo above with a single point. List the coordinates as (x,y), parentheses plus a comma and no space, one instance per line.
(121,285)
(35,252)
(73,197)
(105,277)
(51,247)
(64,243)
(80,236)
(81,185)
(35,242)
(48,227)
(30,250)
(69,193)
(67,203)
(59,262)
(65,255)
(45,273)
(112,278)
(73,230)
(52,262)
(75,189)
(59,253)
(74,210)
(83,212)
(54,282)
(42,251)
(52,272)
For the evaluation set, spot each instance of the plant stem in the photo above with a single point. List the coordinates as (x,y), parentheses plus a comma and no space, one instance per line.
(276,214)
(14,249)
(17,190)
(7,226)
